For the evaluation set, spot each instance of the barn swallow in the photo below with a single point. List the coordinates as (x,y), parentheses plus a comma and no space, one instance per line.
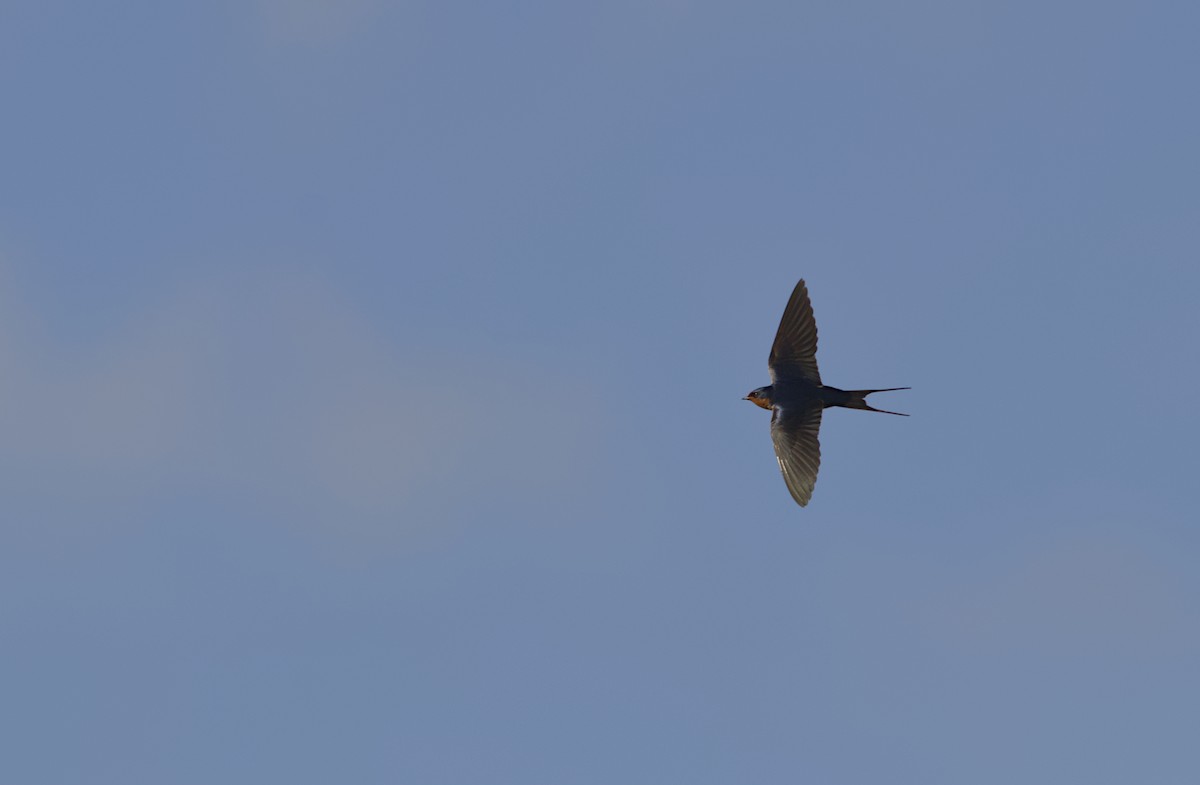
(797,398)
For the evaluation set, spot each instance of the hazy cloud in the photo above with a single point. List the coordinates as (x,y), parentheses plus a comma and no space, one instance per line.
(1084,594)
(276,389)
(314,22)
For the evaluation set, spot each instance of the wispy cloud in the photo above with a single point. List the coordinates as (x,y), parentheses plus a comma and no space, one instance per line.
(276,389)
(1078,596)
(314,22)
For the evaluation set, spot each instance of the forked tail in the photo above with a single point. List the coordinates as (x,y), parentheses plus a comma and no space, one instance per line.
(858,400)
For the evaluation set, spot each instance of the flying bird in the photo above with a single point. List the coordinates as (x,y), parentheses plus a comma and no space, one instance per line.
(797,398)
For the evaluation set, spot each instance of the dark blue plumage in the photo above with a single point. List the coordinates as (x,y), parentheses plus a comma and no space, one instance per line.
(797,398)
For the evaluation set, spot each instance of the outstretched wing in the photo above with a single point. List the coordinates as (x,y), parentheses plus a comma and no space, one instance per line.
(794,431)
(795,350)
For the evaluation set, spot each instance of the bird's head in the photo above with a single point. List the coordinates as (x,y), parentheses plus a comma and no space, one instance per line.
(760,397)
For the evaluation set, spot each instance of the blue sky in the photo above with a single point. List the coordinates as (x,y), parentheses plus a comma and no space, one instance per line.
(371,380)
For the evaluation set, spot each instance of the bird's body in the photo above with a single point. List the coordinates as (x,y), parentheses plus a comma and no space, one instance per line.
(797,398)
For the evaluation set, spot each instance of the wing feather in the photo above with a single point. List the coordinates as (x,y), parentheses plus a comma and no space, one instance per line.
(794,431)
(794,352)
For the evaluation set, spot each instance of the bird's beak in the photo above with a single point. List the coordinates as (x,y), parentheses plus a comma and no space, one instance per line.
(745,397)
